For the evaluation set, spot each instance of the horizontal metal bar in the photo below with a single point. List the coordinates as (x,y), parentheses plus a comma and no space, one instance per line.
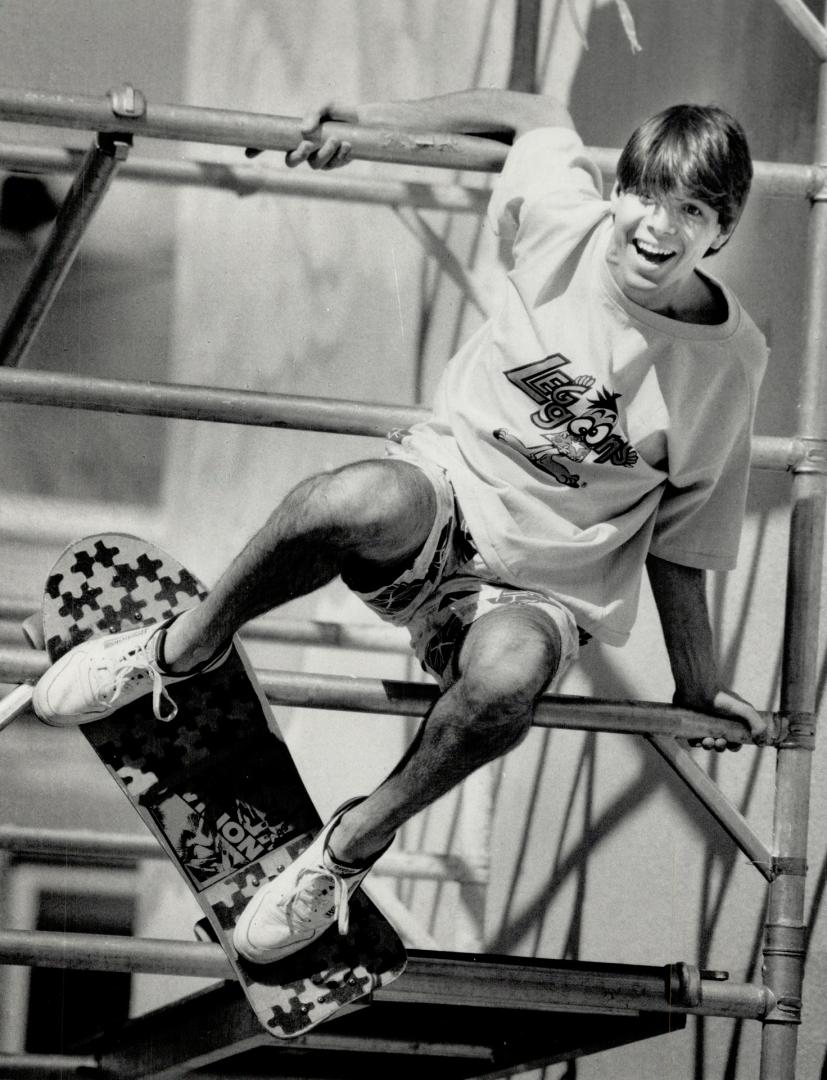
(40,1065)
(355,694)
(424,866)
(188,402)
(185,402)
(230,127)
(245,180)
(267,132)
(435,978)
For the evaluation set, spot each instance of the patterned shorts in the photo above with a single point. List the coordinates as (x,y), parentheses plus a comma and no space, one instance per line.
(449,587)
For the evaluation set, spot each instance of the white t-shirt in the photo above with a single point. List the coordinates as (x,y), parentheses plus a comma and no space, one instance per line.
(580,430)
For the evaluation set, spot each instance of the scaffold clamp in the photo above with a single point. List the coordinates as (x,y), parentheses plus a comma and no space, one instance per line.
(819,192)
(126,101)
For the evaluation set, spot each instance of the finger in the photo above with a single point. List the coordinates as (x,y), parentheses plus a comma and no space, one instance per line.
(301,153)
(326,154)
(343,157)
(312,121)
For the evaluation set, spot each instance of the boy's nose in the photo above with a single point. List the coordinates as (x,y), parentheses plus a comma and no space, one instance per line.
(661,218)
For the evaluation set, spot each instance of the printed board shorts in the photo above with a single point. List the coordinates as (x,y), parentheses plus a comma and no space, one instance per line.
(449,587)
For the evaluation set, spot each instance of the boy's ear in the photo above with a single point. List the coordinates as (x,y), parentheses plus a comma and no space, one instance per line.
(615,195)
(722,238)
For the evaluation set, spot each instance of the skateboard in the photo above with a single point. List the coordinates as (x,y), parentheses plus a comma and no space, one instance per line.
(216,786)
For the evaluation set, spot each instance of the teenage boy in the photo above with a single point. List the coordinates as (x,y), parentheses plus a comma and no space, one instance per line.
(599,422)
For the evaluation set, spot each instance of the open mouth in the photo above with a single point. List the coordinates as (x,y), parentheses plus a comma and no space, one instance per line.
(653,254)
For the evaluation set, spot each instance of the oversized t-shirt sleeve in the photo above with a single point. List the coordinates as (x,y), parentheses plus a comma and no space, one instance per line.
(699,523)
(549,189)
(701,511)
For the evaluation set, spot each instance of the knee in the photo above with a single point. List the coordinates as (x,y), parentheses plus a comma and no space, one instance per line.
(498,711)
(504,668)
(357,505)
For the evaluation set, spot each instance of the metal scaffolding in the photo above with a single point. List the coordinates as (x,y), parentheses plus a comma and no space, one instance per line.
(456,981)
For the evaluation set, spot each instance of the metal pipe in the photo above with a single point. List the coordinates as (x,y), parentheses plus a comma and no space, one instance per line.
(227,406)
(40,1065)
(15,704)
(354,694)
(784,942)
(245,180)
(771,179)
(708,793)
(58,253)
(807,25)
(523,73)
(129,847)
(187,402)
(437,978)
(387,696)
(263,131)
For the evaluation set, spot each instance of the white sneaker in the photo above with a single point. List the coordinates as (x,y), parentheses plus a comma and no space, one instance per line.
(295,908)
(101,675)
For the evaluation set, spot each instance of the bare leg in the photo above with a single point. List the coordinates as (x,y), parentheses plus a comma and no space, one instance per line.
(507,660)
(368,518)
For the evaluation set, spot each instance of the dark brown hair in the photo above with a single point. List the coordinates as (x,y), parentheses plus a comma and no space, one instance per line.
(697,150)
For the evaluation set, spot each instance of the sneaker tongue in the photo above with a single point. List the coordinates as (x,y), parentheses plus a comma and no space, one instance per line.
(310,898)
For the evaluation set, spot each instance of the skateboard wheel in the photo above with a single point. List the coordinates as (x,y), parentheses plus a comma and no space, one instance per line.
(32,627)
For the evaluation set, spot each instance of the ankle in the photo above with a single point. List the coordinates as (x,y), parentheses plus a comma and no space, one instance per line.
(351,849)
(179,650)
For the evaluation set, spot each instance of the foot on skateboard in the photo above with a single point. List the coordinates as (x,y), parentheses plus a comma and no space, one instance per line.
(97,678)
(217,787)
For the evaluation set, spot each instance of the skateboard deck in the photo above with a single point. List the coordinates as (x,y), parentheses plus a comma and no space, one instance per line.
(217,785)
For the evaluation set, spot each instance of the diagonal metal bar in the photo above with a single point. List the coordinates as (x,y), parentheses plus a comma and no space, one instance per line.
(58,253)
(708,793)
(15,704)
(806,23)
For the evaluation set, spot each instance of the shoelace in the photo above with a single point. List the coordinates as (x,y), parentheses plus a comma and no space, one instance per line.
(136,667)
(300,904)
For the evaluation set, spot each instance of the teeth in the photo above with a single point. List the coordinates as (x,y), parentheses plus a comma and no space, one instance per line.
(652,249)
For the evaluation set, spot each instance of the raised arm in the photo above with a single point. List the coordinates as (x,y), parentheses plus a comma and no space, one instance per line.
(505,113)
(680,596)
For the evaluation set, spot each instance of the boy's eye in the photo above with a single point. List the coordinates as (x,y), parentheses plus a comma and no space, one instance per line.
(691,210)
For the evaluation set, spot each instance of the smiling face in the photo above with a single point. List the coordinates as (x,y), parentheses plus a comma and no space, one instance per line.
(656,246)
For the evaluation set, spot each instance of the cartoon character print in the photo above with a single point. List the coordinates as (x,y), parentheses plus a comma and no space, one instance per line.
(572,436)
